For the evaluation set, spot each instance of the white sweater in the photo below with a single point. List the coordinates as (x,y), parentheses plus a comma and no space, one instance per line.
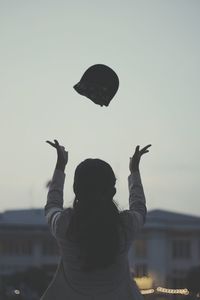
(112,283)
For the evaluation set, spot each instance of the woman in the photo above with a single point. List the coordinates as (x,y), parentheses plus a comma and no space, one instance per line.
(94,237)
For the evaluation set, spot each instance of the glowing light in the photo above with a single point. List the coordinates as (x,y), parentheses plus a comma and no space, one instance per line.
(147,292)
(144,282)
(173,291)
(17,292)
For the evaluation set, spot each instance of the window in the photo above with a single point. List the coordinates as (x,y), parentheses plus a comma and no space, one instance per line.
(140,270)
(199,249)
(140,247)
(15,247)
(25,247)
(178,279)
(181,249)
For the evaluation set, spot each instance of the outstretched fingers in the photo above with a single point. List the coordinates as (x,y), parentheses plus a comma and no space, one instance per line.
(51,143)
(145,149)
(55,144)
(137,149)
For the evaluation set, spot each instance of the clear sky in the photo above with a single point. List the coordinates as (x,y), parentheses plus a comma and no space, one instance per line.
(154,46)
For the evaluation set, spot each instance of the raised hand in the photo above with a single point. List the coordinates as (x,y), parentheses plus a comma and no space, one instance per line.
(135,159)
(62,155)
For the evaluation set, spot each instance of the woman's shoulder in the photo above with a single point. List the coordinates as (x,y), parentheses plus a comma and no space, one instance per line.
(125,215)
(67,210)
(63,220)
(126,220)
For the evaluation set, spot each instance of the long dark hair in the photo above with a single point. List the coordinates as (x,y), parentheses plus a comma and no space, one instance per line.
(95,219)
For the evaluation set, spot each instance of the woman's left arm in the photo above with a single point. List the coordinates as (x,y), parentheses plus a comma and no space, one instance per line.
(54,205)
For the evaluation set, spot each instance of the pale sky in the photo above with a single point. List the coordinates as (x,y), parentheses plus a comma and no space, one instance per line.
(153,45)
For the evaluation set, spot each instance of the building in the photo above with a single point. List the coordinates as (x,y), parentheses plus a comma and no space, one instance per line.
(167,247)
(25,241)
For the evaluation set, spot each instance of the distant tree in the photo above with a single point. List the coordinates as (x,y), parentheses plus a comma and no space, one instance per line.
(193,281)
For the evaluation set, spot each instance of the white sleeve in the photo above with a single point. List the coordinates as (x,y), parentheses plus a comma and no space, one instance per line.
(54,205)
(137,201)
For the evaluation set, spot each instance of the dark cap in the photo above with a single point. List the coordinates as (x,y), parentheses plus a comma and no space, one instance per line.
(99,83)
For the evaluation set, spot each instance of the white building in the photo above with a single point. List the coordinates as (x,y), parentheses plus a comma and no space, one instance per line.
(168,246)
(25,241)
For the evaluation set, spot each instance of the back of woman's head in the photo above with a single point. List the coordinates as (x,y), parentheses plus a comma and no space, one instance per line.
(94,177)
(95,219)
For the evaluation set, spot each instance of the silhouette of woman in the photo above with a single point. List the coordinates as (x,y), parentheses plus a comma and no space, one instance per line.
(94,237)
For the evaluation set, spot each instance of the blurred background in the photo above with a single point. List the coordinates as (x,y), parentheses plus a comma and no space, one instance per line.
(154,47)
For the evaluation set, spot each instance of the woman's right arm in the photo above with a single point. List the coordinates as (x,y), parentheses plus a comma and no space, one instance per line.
(137,201)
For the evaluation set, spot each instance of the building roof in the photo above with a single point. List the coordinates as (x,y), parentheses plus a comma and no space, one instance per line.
(169,219)
(155,218)
(23,217)
(170,215)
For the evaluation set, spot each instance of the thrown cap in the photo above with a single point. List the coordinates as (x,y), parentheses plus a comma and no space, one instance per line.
(99,83)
